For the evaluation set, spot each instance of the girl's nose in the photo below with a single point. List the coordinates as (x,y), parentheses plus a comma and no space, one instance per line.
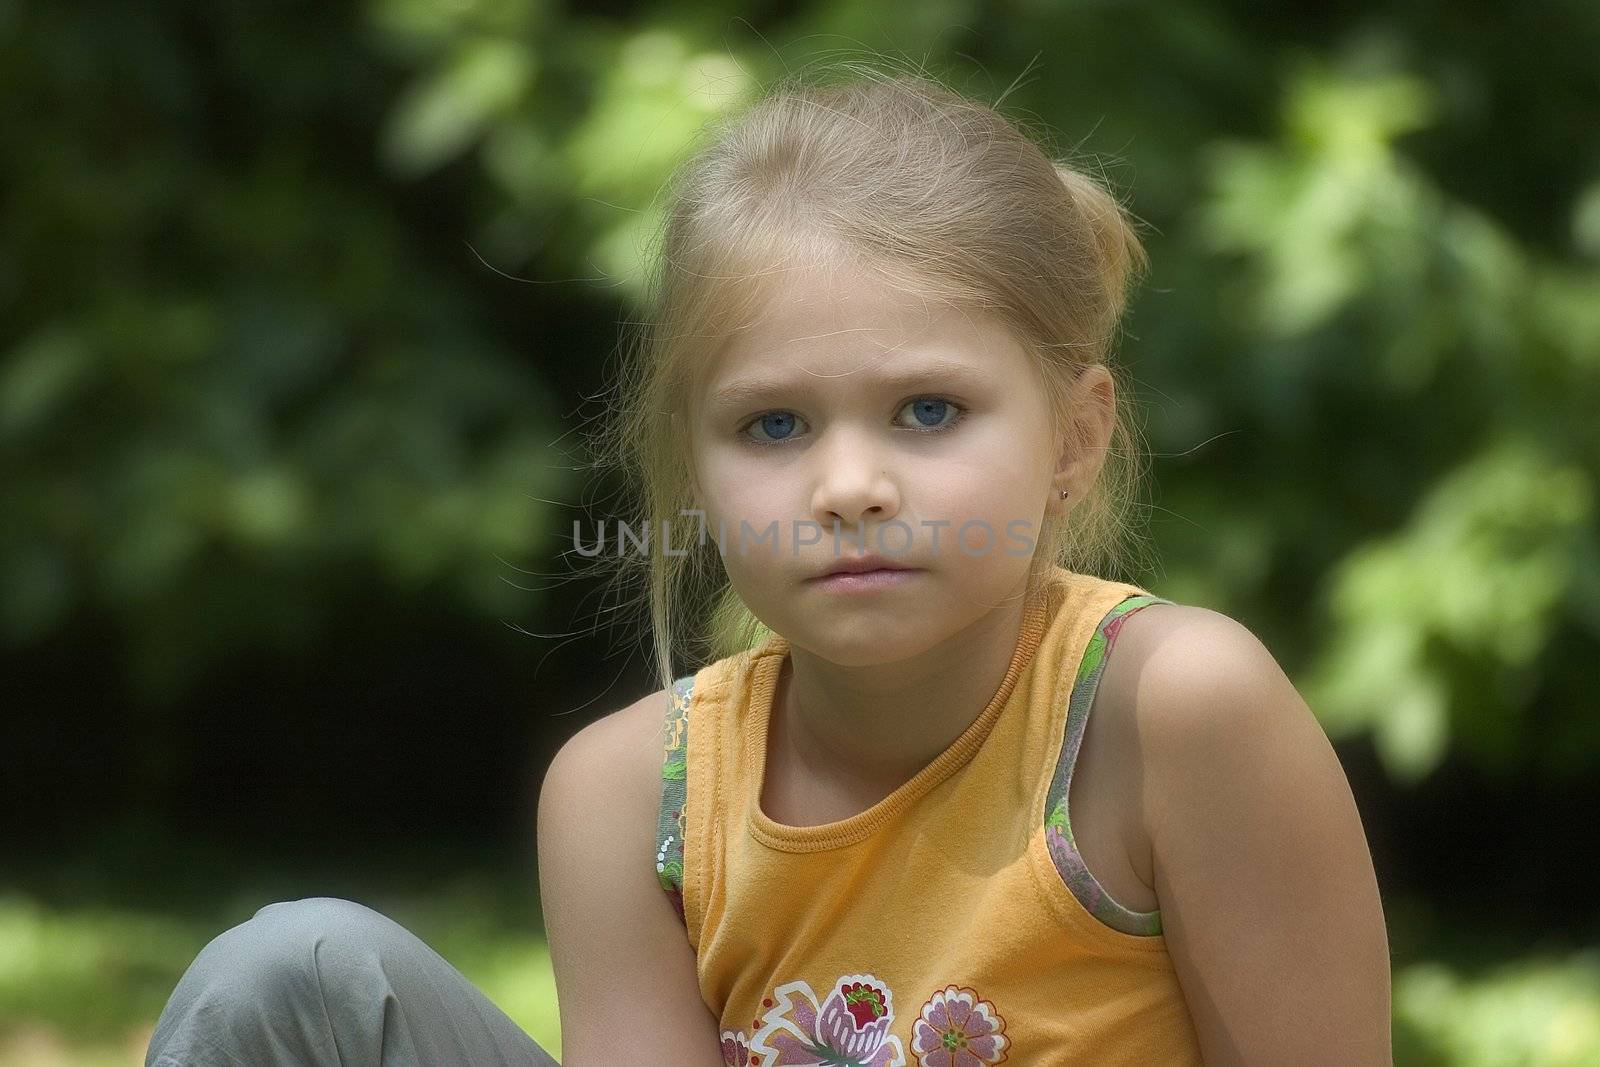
(852,485)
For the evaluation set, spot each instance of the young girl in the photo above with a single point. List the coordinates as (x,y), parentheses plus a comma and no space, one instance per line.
(982,807)
(939,795)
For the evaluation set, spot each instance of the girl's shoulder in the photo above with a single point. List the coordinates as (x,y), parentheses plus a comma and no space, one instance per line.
(627,744)
(1174,649)
(1171,661)
(1185,678)
(1251,822)
(1158,623)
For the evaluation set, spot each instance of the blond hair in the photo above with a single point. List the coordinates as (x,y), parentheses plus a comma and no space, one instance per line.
(933,191)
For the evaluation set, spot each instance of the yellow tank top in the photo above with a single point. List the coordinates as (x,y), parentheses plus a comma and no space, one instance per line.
(952,924)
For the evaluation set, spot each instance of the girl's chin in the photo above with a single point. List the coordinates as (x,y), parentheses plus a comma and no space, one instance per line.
(864,646)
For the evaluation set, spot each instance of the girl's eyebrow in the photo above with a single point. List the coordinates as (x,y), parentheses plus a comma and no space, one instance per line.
(755,387)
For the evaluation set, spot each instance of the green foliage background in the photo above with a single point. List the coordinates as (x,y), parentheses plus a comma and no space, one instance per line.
(266,367)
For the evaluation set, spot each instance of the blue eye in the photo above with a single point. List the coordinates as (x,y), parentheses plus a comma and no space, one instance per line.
(779,423)
(929,411)
(930,407)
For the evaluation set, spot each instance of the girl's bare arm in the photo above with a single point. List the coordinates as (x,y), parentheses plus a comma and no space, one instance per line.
(1268,896)
(624,968)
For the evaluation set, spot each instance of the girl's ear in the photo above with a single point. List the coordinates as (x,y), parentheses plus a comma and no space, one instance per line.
(1090,423)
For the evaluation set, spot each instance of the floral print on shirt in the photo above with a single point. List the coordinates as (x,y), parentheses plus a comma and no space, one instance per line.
(957,1028)
(851,1027)
(735,1048)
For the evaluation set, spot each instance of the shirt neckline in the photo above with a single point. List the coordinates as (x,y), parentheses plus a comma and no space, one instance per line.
(830,835)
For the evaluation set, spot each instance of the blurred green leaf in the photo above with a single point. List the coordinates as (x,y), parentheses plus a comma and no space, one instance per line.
(438,118)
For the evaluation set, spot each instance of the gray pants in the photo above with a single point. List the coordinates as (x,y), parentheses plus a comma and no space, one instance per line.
(326,981)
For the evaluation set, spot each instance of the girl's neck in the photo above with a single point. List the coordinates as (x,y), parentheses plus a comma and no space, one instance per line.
(871,729)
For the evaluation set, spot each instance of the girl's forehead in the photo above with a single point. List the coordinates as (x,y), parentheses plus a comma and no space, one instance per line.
(791,297)
(833,320)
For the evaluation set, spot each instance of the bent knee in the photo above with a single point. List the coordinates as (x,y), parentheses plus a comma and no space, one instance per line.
(339,934)
(275,973)
(313,919)
(286,945)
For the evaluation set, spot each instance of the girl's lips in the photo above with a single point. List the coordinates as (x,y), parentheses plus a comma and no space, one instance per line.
(865,581)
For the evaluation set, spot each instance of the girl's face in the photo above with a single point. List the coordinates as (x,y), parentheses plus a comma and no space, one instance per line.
(852,407)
